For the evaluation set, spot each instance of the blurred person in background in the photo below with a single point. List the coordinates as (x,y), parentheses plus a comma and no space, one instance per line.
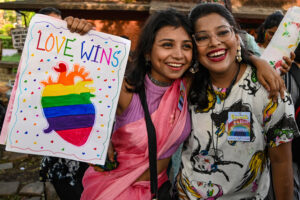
(266,31)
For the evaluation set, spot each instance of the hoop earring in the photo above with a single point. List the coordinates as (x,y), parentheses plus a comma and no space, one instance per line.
(239,54)
(195,68)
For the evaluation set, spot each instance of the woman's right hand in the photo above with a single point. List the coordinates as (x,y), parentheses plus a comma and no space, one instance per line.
(76,25)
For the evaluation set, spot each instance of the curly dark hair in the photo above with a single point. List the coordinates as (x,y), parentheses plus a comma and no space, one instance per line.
(136,75)
(198,93)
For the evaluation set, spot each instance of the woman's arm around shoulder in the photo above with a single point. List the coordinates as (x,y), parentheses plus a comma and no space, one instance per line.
(268,78)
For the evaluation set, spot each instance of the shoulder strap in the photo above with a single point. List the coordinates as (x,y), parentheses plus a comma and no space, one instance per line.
(152,146)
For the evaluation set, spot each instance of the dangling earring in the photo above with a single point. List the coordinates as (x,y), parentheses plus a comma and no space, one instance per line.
(194,68)
(239,54)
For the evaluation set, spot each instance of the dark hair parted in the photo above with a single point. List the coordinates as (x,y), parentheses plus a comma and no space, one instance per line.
(170,17)
(198,92)
(271,21)
(49,10)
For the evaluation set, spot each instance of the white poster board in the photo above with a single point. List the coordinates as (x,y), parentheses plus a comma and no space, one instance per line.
(66,92)
(285,39)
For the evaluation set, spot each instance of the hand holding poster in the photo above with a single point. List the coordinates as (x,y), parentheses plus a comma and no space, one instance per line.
(285,39)
(66,92)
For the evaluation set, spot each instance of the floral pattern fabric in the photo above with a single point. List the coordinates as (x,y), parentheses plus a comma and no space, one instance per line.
(70,171)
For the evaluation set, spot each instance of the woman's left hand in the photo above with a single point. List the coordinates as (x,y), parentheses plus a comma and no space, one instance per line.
(270,79)
(286,66)
(111,156)
(76,25)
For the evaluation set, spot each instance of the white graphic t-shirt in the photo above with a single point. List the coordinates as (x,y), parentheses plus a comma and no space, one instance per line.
(225,156)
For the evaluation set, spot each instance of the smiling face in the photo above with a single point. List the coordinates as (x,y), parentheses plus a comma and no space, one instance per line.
(217,56)
(171,54)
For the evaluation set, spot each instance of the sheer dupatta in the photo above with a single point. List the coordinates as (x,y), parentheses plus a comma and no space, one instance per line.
(131,144)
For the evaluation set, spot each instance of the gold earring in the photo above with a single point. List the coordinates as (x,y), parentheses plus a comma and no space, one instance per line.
(239,54)
(195,68)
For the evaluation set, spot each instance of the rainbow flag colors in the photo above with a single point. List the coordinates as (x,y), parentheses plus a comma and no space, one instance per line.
(69,111)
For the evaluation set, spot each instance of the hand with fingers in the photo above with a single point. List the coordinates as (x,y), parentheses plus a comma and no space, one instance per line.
(271,80)
(286,66)
(110,163)
(76,25)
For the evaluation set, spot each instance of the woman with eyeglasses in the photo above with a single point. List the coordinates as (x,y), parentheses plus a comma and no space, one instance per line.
(164,57)
(236,129)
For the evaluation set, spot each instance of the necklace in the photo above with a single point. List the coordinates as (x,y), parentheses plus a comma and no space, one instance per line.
(158,83)
(228,90)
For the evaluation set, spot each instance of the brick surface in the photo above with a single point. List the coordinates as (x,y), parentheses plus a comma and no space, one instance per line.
(33,189)
(9,188)
(6,166)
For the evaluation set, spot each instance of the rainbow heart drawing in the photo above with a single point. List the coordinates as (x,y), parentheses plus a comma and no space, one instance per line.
(67,105)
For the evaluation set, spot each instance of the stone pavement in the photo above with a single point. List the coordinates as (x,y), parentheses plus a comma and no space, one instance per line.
(19,178)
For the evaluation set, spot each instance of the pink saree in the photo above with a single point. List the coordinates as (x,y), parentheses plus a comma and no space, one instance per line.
(131,144)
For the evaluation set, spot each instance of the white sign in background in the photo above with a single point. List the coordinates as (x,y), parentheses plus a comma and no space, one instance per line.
(67,92)
(285,39)
(18,37)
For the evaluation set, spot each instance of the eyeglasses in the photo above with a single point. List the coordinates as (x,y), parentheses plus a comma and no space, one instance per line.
(222,34)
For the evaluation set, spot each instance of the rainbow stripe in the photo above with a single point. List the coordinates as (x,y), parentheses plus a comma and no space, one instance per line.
(69,111)
(239,130)
(75,136)
(60,89)
(65,100)
(80,109)
(239,126)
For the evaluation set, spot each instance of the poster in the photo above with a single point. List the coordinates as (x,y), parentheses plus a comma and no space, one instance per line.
(285,39)
(66,92)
